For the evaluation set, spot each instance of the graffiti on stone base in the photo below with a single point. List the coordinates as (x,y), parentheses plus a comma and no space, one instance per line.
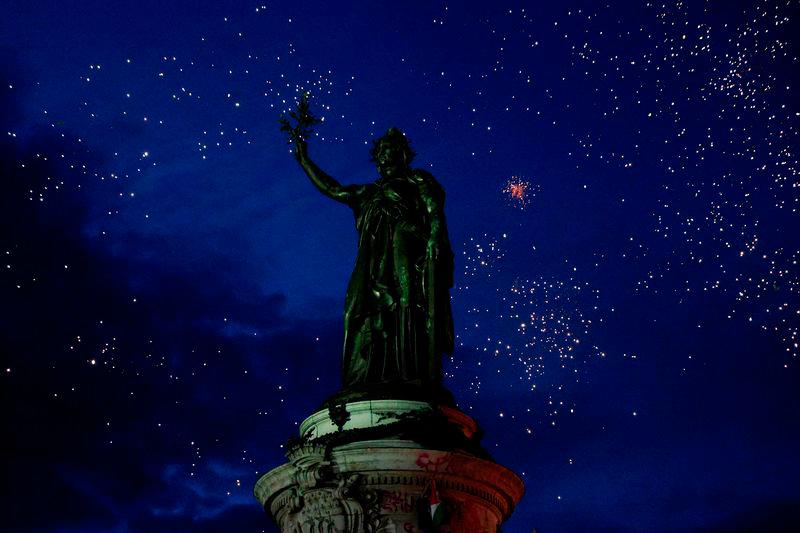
(396,501)
(432,464)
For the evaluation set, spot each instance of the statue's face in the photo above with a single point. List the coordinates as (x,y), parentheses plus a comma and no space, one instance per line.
(391,159)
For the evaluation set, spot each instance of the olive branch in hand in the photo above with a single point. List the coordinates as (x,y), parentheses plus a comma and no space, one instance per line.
(304,122)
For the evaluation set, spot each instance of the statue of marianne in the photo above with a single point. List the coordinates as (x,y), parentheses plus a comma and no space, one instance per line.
(397,316)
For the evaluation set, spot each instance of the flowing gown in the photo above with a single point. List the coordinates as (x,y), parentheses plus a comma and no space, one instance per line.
(398,320)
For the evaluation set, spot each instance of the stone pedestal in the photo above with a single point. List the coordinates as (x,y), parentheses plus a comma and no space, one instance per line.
(377,466)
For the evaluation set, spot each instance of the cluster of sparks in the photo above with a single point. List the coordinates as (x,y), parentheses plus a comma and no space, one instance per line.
(537,330)
(729,190)
(519,192)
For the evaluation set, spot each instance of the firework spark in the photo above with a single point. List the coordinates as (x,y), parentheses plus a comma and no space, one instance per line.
(519,192)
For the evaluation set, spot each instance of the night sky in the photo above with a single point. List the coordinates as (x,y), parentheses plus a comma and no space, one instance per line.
(623,198)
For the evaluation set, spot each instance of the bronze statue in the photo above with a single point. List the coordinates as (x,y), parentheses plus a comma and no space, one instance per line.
(398,322)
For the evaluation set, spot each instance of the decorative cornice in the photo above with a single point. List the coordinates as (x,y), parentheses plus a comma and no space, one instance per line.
(360,479)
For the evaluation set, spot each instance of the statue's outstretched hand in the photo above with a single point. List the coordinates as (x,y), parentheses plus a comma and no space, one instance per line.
(299,125)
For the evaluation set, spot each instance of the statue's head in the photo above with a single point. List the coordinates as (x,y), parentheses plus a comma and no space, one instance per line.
(392,152)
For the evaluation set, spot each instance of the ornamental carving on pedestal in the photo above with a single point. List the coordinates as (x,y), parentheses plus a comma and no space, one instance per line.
(323,500)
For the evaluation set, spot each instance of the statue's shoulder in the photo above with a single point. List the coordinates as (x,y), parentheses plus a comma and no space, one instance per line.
(422,175)
(356,193)
(426,181)
(425,178)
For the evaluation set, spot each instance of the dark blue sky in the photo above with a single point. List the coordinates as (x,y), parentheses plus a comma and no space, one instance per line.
(172,285)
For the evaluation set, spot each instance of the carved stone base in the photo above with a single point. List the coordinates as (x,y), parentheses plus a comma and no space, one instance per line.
(372,466)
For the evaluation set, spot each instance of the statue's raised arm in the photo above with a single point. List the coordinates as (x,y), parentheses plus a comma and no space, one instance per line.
(324,182)
(298,138)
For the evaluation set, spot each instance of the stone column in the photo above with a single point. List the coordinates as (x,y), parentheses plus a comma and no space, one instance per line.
(379,466)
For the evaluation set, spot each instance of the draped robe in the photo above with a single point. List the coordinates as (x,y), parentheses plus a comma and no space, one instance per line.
(398,320)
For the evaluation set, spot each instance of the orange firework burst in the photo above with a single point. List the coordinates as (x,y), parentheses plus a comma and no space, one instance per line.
(519,191)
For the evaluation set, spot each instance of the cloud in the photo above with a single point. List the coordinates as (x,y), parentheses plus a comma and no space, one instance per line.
(118,362)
